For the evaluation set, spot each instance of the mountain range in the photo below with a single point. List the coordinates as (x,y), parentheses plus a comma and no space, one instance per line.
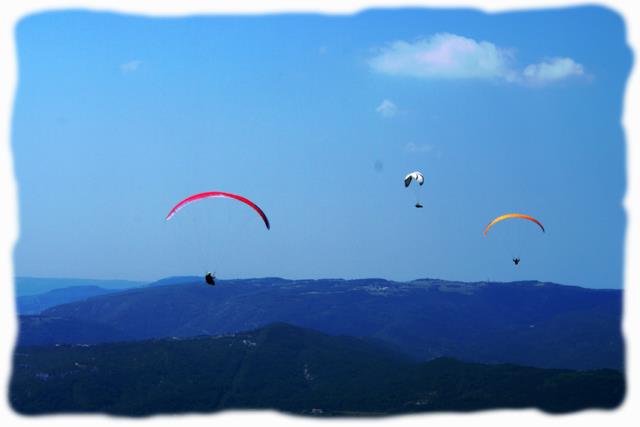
(527,323)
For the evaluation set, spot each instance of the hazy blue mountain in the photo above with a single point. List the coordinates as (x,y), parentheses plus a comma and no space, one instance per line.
(528,323)
(177,280)
(289,369)
(39,285)
(34,304)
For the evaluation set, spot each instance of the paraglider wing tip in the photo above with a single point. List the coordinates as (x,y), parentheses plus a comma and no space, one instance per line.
(264,218)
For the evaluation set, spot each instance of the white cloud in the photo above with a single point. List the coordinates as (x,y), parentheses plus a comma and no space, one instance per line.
(387,108)
(450,56)
(131,66)
(444,55)
(418,148)
(552,70)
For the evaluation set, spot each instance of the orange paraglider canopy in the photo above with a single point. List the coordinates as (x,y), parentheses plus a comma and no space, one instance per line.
(512,215)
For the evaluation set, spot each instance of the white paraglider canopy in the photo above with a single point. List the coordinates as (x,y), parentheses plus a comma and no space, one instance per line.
(417,176)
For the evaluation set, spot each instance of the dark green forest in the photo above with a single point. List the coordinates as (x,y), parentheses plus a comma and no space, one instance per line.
(289,369)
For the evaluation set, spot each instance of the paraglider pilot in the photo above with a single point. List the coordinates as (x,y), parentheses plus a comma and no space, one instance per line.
(516,261)
(210,279)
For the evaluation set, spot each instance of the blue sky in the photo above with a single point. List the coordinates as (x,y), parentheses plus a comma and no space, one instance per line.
(317,119)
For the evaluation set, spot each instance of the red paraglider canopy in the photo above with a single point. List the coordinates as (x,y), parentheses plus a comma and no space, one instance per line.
(209,194)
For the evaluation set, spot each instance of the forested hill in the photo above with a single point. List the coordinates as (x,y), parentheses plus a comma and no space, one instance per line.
(288,369)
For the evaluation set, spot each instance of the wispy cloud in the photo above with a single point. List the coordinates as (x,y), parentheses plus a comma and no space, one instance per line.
(130,66)
(412,147)
(387,109)
(451,56)
(552,70)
